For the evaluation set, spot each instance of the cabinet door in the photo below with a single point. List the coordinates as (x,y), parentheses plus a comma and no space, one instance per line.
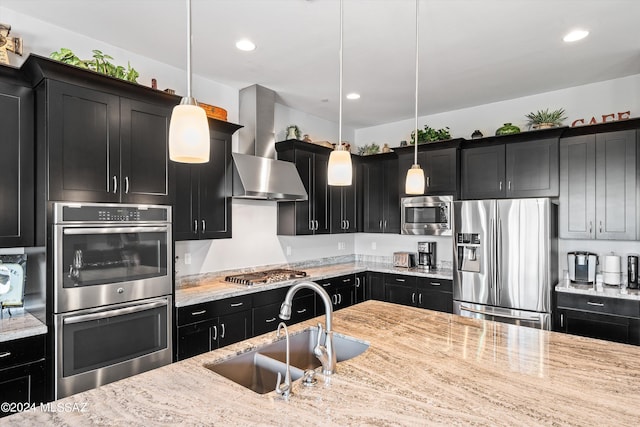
(373,198)
(22,384)
(320,206)
(532,169)
(144,152)
(16,166)
(375,286)
(441,171)
(303,209)
(399,294)
(577,208)
(342,296)
(391,194)
(483,172)
(234,327)
(185,207)
(361,289)
(435,300)
(616,185)
(215,189)
(595,325)
(83,143)
(196,339)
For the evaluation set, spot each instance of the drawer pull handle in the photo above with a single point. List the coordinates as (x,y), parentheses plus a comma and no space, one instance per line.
(304,310)
(273,319)
(435,284)
(198,313)
(5,354)
(400,280)
(236,304)
(346,280)
(324,285)
(597,304)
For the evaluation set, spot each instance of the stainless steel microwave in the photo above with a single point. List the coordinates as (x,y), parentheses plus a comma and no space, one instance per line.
(429,215)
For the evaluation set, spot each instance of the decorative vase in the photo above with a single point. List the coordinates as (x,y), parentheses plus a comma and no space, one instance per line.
(292,132)
(508,129)
(386,148)
(543,126)
(476,134)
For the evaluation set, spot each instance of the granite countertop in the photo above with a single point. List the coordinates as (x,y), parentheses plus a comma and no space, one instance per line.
(422,367)
(211,286)
(604,291)
(20,324)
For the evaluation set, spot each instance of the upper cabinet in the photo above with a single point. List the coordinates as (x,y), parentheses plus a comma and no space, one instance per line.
(310,216)
(343,202)
(522,169)
(380,194)
(16,161)
(598,192)
(440,170)
(105,140)
(202,208)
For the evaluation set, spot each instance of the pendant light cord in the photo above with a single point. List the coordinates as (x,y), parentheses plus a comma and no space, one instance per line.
(340,85)
(415,155)
(188,48)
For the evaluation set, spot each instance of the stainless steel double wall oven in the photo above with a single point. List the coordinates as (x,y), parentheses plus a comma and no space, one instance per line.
(112,303)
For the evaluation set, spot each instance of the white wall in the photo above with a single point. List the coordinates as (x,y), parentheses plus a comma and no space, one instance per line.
(596,99)
(318,129)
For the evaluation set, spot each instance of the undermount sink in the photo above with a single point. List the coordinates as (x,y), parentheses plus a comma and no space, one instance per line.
(258,370)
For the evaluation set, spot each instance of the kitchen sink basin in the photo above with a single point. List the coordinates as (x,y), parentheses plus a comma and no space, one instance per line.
(258,370)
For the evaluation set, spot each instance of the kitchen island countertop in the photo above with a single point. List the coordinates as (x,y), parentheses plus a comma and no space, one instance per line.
(212,286)
(422,367)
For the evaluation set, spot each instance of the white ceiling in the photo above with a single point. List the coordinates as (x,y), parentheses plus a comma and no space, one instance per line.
(472,52)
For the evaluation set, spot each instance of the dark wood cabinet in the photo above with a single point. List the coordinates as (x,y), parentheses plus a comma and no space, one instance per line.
(22,372)
(381,197)
(17,161)
(361,289)
(202,207)
(266,317)
(605,318)
(341,291)
(440,171)
(598,186)
(522,169)
(343,204)
(375,285)
(310,216)
(422,292)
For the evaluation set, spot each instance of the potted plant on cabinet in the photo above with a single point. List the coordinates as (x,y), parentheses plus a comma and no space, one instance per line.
(544,119)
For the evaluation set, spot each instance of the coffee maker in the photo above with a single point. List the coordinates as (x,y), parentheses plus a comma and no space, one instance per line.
(582,266)
(427,255)
(632,271)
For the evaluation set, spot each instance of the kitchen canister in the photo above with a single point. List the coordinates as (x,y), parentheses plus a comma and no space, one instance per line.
(611,270)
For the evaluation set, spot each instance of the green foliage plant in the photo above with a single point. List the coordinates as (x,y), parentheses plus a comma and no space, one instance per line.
(430,135)
(101,63)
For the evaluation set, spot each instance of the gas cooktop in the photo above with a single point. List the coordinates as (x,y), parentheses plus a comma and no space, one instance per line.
(267,276)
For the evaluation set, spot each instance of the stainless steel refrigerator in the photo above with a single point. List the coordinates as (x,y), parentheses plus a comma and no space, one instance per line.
(505,260)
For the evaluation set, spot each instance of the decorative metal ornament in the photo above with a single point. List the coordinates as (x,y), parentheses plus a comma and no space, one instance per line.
(8,44)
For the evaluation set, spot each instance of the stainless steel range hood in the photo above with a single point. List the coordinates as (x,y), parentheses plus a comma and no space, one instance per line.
(257,174)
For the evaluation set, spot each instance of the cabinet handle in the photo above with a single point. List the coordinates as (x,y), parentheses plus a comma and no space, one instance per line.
(420,299)
(380,224)
(346,280)
(428,181)
(500,186)
(339,298)
(236,304)
(601,227)
(223,331)
(562,320)
(348,224)
(317,225)
(195,225)
(5,354)
(597,304)
(385,224)
(324,285)
(204,225)
(400,280)
(413,298)
(126,185)
(115,184)
(357,282)
(215,333)
(198,313)
(334,299)
(304,310)
(310,225)
(590,226)
(435,284)
(509,185)
(273,319)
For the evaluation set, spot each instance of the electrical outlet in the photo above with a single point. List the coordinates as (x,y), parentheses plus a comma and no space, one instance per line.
(288,250)
(187,258)
(374,246)
(340,246)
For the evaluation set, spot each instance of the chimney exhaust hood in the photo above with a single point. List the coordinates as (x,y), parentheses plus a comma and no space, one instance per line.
(257,174)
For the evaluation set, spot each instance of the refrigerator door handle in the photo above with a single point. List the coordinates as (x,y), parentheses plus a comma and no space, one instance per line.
(492,234)
(506,316)
(499,263)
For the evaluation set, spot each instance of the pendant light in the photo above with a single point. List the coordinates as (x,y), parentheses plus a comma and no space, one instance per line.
(415,176)
(340,169)
(189,130)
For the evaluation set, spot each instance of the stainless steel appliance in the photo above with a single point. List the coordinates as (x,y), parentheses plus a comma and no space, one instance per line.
(403,259)
(582,267)
(266,276)
(428,215)
(632,271)
(112,303)
(505,260)
(427,255)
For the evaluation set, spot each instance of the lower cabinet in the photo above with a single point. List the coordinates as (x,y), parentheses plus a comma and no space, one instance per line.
(266,309)
(22,373)
(361,288)
(341,290)
(422,292)
(375,285)
(610,319)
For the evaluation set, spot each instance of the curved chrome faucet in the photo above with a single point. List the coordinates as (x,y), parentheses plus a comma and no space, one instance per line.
(325,353)
(284,389)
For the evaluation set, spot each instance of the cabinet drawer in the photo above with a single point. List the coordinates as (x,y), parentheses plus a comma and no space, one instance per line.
(344,280)
(232,305)
(195,313)
(596,304)
(21,351)
(399,279)
(441,285)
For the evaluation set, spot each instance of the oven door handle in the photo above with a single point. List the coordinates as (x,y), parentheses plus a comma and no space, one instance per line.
(113,230)
(112,313)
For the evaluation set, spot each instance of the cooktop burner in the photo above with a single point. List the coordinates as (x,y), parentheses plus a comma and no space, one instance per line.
(267,276)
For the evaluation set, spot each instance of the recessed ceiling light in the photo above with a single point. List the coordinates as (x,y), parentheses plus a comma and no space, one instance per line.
(575,35)
(353,95)
(245,45)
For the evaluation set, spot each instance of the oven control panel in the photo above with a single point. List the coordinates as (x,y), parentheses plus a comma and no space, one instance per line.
(108,213)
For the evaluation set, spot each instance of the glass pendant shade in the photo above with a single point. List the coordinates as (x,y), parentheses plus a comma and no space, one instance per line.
(189,134)
(415,180)
(340,170)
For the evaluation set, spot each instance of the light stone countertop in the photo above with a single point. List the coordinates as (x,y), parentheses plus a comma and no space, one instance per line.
(422,368)
(606,291)
(210,287)
(20,324)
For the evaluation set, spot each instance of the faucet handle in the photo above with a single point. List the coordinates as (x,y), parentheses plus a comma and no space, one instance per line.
(282,389)
(320,332)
